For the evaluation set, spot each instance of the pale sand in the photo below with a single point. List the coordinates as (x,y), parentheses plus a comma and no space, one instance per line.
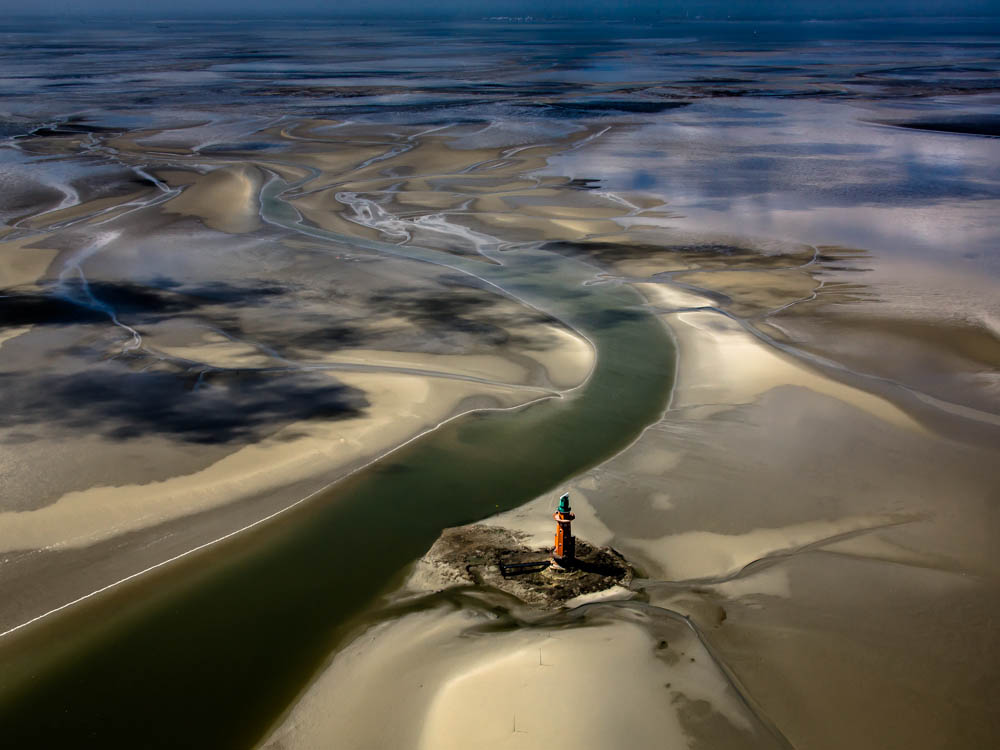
(755,292)
(643,201)
(643,268)
(533,523)
(719,362)
(225,199)
(567,362)
(211,349)
(868,655)
(284,171)
(338,163)
(558,211)
(435,200)
(9,334)
(494,203)
(444,685)
(875,547)
(516,696)
(720,366)
(98,205)
(402,406)
(177,177)
(773,581)
(614,594)
(534,520)
(684,556)
(432,157)
(445,177)
(567,359)
(672,297)
(722,363)
(702,554)
(654,460)
(130,144)
(305,129)
(493,368)
(23,263)
(540,228)
(602,686)
(323,210)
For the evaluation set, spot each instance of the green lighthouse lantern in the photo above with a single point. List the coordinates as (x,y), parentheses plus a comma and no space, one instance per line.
(564,553)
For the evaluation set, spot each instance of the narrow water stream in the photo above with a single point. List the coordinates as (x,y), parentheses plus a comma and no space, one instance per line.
(208,651)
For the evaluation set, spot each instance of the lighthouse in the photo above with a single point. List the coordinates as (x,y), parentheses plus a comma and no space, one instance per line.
(565,551)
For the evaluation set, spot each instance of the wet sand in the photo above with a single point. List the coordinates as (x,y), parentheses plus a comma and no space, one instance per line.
(736,508)
(239,311)
(479,350)
(461,677)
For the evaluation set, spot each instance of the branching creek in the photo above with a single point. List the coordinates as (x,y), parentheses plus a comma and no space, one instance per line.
(217,644)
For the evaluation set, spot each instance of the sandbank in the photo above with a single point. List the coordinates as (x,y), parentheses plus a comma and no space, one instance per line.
(23,262)
(225,199)
(723,363)
(455,683)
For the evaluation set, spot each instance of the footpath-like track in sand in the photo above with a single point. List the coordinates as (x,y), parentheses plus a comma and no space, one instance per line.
(217,644)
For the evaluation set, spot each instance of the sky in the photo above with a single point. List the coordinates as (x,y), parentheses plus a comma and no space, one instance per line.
(791,9)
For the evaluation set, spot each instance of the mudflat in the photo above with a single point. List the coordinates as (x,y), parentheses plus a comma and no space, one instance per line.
(263,343)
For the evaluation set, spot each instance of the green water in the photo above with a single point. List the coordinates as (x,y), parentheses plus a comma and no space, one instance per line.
(208,652)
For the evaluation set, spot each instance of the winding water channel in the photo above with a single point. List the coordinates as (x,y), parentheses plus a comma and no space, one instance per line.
(216,645)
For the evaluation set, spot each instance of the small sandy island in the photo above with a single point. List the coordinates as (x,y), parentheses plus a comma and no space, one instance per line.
(499,558)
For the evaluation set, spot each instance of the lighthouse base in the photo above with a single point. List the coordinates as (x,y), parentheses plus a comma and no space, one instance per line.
(498,558)
(563,563)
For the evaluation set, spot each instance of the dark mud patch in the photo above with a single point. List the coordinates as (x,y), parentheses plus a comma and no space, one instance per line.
(496,557)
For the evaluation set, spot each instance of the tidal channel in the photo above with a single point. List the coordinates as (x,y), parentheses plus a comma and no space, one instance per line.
(210,650)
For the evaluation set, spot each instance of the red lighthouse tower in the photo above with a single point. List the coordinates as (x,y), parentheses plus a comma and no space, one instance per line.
(565,551)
